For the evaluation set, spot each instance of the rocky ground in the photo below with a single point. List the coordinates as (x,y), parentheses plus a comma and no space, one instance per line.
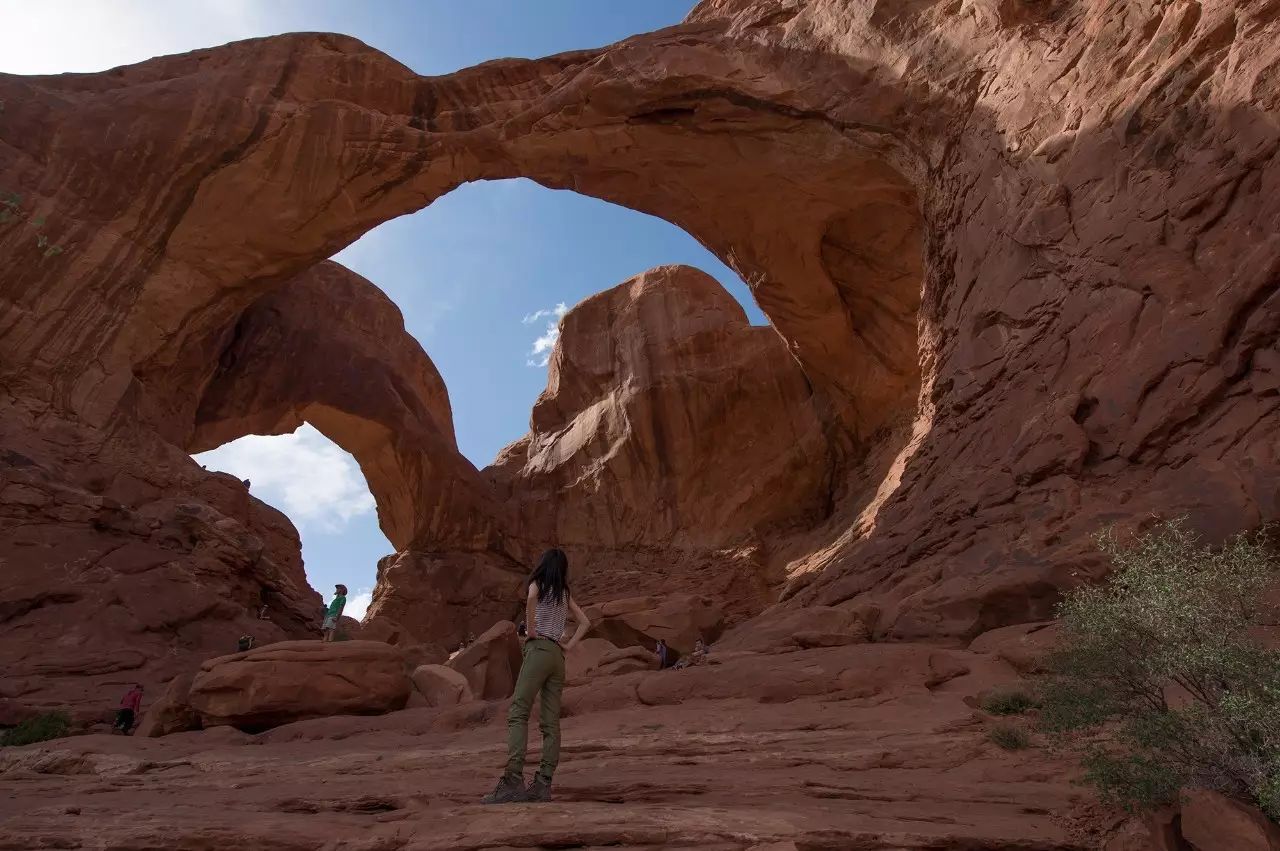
(865,746)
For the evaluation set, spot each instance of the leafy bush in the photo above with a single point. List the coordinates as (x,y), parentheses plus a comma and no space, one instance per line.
(1014,702)
(1009,737)
(42,728)
(1159,682)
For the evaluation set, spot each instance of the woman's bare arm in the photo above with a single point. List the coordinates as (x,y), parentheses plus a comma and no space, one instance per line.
(530,608)
(583,625)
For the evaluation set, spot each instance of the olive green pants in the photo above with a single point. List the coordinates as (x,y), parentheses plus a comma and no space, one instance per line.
(541,674)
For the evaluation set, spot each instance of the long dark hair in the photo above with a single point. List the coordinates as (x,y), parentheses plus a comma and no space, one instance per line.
(552,575)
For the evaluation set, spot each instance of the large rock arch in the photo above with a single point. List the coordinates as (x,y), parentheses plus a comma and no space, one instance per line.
(1089,329)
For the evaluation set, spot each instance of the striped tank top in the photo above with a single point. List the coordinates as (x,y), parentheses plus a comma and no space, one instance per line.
(549,617)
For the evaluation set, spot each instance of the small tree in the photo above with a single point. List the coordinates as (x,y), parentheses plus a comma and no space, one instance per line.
(1159,679)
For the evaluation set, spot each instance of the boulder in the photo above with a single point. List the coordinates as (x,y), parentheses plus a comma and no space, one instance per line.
(295,680)
(582,660)
(1025,646)
(1214,822)
(680,620)
(791,629)
(491,663)
(441,686)
(625,660)
(417,655)
(172,712)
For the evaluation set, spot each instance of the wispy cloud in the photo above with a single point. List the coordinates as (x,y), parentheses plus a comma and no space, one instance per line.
(540,354)
(310,479)
(558,311)
(358,603)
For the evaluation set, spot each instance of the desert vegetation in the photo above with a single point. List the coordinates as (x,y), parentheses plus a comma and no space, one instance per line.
(1164,679)
(41,728)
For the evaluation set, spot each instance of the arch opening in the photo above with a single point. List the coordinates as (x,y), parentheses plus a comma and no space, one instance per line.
(349,352)
(322,491)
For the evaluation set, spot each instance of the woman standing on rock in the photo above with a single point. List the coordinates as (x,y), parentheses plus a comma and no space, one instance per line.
(547,607)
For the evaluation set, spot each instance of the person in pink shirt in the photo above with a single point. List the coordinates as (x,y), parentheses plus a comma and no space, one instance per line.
(130,707)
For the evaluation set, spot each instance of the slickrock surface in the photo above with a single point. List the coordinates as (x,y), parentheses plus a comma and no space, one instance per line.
(874,751)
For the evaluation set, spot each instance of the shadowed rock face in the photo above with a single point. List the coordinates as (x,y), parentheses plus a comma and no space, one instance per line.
(330,349)
(1024,255)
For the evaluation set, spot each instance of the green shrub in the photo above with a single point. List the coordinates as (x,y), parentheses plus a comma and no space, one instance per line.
(1267,794)
(1158,682)
(1009,737)
(42,728)
(1013,702)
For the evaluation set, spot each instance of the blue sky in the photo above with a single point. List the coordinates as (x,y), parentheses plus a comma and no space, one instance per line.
(466,271)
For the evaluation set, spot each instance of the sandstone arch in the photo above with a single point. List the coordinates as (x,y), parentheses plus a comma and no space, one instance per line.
(1098,309)
(330,349)
(582,122)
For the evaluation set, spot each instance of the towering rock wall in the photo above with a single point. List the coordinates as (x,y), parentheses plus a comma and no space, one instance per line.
(674,444)
(1024,253)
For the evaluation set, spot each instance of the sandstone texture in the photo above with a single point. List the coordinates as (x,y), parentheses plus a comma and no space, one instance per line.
(670,424)
(1212,822)
(441,686)
(680,620)
(172,712)
(491,663)
(1020,254)
(1019,259)
(295,680)
(860,753)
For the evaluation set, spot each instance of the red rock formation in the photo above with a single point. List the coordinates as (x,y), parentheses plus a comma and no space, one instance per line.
(123,561)
(491,663)
(671,432)
(679,620)
(441,686)
(330,349)
(667,419)
(295,680)
(1023,252)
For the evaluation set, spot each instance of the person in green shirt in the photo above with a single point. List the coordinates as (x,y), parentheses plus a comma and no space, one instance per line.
(331,615)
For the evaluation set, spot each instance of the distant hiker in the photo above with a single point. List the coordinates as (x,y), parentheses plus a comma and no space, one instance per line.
(547,607)
(245,643)
(697,657)
(664,655)
(127,714)
(246,483)
(330,625)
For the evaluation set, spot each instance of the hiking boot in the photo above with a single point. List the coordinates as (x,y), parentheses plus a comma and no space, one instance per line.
(539,790)
(510,790)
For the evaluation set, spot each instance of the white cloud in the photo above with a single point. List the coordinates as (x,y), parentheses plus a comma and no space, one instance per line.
(540,354)
(358,603)
(55,36)
(558,312)
(310,479)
